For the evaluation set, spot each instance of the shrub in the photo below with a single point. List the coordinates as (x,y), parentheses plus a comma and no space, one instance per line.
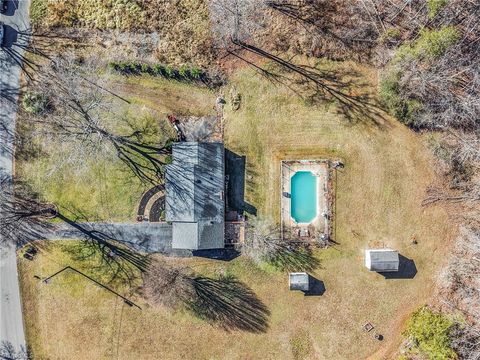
(169,72)
(158,69)
(391,35)
(145,68)
(430,334)
(184,72)
(431,44)
(196,73)
(434,7)
(35,103)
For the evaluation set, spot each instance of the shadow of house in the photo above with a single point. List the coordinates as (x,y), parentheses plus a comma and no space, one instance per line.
(217,254)
(315,287)
(12,5)
(406,269)
(228,303)
(235,170)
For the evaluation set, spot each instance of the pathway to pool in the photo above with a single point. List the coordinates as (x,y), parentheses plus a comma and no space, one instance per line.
(305,199)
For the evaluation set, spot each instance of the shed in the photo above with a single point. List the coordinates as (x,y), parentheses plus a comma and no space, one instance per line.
(195,205)
(298,281)
(382,260)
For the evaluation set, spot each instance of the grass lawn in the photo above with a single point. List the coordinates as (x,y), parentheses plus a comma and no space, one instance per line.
(378,202)
(104,188)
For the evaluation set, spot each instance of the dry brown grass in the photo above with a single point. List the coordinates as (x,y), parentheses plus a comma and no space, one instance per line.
(379,196)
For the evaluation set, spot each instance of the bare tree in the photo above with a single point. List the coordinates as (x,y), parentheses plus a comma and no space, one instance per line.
(83,114)
(225,302)
(236,19)
(167,285)
(8,352)
(466,341)
(263,243)
(22,218)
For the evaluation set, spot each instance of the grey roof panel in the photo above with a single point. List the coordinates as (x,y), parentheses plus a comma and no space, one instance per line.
(382,260)
(184,235)
(298,281)
(195,193)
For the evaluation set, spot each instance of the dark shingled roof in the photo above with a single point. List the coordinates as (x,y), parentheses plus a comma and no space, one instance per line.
(194,187)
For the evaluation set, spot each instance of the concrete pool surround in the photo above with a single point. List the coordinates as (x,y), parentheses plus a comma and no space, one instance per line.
(311,221)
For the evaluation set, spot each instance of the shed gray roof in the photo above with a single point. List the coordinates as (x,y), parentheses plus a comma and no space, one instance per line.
(195,195)
(298,281)
(382,260)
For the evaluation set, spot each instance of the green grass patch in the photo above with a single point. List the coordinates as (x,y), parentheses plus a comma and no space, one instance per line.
(38,11)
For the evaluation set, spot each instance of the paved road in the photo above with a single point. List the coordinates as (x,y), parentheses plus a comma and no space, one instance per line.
(16,22)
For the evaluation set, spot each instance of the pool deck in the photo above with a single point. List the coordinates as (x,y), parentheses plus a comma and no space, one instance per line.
(292,230)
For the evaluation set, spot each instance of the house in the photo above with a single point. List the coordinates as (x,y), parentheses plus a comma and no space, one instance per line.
(195,187)
(382,260)
(298,281)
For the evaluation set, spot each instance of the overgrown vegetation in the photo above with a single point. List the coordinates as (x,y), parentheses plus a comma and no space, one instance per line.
(109,14)
(183,26)
(429,333)
(406,105)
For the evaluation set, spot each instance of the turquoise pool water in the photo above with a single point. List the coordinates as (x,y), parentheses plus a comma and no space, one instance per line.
(303,196)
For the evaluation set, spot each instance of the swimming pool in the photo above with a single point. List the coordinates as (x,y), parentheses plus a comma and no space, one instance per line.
(303,197)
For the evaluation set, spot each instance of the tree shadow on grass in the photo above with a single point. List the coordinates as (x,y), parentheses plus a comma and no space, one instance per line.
(294,257)
(228,303)
(121,262)
(343,87)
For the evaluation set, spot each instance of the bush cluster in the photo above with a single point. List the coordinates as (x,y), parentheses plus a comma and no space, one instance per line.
(35,103)
(183,72)
(430,334)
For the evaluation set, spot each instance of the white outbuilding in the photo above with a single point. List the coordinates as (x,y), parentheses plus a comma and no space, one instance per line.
(382,260)
(298,281)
